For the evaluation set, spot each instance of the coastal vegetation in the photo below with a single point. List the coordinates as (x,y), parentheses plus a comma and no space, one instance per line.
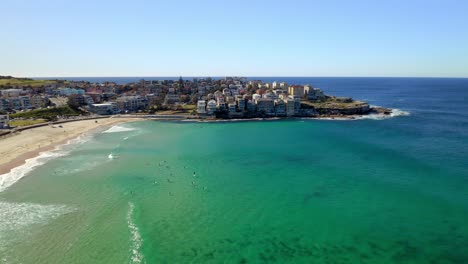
(336,105)
(49,114)
(334,102)
(7,82)
(26,122)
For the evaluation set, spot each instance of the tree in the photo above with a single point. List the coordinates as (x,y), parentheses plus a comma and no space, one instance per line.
(74,101)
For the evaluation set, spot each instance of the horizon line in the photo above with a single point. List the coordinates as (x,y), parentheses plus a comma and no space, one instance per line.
(251,76)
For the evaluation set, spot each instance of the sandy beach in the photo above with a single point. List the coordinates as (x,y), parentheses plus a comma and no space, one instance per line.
(17,148)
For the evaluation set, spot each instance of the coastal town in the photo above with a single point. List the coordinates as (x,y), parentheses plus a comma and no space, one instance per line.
(199,98)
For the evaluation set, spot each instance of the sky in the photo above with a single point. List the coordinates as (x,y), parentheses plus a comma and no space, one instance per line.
(400,38)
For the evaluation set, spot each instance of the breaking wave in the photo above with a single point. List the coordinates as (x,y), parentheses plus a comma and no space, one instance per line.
(395,112)
(118,128)
(15,174)
(136,240)
(16,217)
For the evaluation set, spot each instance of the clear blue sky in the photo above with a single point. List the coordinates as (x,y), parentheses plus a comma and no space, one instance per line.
(248,38)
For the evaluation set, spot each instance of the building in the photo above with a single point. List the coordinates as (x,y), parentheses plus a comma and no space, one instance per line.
(231,108)
(275,85)
(266,106)
(313,93)
(11,93)
(131,103)
(14,103)
(65,91)
(270,95)
(38,101)
(201,107)
(296,90)
(97,97)
(4,104)
(4,121)
(104,109)
(171,98)
(226,92)
(211,107)
(280,108)
(289,106)
(251,106)
(297,103)
(255,97)
(240,102)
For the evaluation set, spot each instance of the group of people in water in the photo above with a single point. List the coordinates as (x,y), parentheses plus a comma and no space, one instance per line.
(164,164)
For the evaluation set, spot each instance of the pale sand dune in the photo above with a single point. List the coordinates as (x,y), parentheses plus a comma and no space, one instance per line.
(15,149)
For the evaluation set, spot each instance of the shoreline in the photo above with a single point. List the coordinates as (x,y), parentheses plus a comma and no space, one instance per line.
(30,143)
(16,149)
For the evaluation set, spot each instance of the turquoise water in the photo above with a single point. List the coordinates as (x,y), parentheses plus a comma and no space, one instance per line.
(298,191)
(283,191)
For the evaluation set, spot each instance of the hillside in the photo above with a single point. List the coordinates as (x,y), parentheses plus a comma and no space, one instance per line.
(7,82)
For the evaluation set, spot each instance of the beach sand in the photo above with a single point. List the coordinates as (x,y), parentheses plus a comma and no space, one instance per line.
(17,148)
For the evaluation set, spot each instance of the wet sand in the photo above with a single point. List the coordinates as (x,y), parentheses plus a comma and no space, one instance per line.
(17,148)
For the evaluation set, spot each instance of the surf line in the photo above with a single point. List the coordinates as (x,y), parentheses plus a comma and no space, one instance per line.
(135,239)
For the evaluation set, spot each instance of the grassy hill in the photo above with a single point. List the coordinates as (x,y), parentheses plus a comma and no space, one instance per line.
(48,114)
(9,82)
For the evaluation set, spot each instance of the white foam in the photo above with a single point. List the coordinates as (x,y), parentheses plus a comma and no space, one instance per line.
(8,179)
(118,128)
(395,113)
(399,112)
(137,241)
(15,174)
(16,217)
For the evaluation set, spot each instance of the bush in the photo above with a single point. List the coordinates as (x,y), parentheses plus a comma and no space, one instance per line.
(49,114)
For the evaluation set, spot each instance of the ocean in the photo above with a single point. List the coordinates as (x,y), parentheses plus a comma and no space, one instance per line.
(391,190)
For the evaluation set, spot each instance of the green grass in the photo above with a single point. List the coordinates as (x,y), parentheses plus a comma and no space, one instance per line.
(26,122)
(10,82)
(189,107)
(333,102)
(47,113)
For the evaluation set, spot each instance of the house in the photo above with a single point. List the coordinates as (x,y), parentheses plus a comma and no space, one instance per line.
(313,93)
(226,92)
(275,85)
(104,109)
(211,107)
(201,107)
(255,97)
